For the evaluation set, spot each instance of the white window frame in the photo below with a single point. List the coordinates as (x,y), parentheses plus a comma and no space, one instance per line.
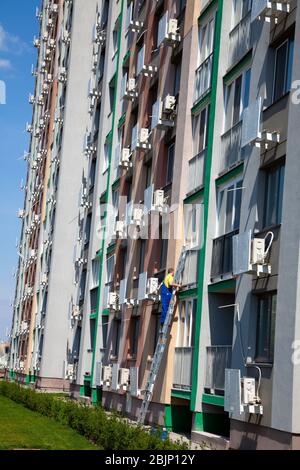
(224,189)
(226,96)
(185,327)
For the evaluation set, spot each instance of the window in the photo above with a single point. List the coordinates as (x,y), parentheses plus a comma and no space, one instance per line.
(82,286)
(110,265)
(236,99)
(265,332)
(92,333)
(206,40)
(240,9)
(170,163)
(115,41)
(142,249)
(163,253)
(148,174)
(104,331)
(200,131)
(283,69)
(95,273)
(117,331)
(229,207)
(156,319)
(87,232)
(94,299)
(135,327)
(115,203)
(177,77)
(106,157)
(192,223)
(186,323)
(274,196)
(92,175)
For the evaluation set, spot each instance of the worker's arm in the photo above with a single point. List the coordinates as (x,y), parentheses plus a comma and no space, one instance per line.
(173,284)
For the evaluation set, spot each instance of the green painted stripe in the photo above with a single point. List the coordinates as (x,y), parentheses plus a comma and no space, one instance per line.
(168,417)
(237,170)
(188,293)
(207,177)
(105,312)
(121,120)
(207,11)
(198,423)
(93,315)
(101,251)
(222,285)
(213,399)
(87,378)
(194,196)
(246,60)
(185,394)
(201,104)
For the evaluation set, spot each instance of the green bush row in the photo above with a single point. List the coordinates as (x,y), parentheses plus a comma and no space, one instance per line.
(108,432)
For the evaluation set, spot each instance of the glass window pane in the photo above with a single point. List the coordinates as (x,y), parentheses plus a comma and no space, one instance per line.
(237,100)
(237,205)
(229,209)
(246,93)
(202,130)
(280,71)
(280,194)
(290,66)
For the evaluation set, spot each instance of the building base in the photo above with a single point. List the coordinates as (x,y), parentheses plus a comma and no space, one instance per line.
(249,436)
(47,384)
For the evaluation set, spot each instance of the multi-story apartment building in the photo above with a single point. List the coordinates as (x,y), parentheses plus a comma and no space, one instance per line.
(175,125)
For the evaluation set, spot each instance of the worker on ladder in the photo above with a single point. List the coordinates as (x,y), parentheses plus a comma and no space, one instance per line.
(166,293)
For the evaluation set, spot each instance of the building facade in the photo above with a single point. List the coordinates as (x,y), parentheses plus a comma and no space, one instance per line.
(171,124)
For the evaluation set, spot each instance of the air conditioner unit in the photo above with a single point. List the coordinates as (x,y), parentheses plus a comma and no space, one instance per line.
(172,27)
(45,36)
(76,311)
(31,99)
(135,26)
(29,128)
(113,300)
(249,254)
(143,136)
(49,78)
(168,31)
(21,214)
(120,229)
(130,91)
(169,104)
(36,42)
(54,8)
(44,280)
(248,391)
(137,216)
(159,198)
(125,158)
(70,371)
(107,375)
(124,376)
(152,286)
(62,74)
(240,396)
(66,37)
(40,100)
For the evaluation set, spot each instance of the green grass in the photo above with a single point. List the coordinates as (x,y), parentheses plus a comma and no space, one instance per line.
(21,428)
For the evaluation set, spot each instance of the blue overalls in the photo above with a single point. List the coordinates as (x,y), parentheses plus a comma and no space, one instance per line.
(166,294)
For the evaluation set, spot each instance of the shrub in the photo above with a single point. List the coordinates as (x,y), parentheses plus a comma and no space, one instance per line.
(109,432)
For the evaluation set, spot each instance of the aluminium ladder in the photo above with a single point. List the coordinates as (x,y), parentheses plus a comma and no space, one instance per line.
(161,344)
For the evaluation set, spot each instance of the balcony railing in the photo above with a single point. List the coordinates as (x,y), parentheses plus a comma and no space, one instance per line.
(182,378)
(222,256)
(239,40)
(218,358)
(231,147)
(196,171)
(203,78)
(190,272)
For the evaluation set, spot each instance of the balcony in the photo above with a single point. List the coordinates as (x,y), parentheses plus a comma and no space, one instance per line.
(182,378)
(203,78)
(221,266)
(196,172)
(231,152)
(218,358)
(190,272)
(239,40)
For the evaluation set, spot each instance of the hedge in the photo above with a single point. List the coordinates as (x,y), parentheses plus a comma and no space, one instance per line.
(109,432)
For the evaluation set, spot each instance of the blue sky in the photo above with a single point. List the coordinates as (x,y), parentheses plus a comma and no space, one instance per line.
(18,25)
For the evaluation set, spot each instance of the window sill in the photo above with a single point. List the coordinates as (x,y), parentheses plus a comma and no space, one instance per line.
(267,365)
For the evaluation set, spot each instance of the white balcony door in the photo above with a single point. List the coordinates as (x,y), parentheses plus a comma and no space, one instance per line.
(206,40)
(186,323)
(229,207)
(236,99)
